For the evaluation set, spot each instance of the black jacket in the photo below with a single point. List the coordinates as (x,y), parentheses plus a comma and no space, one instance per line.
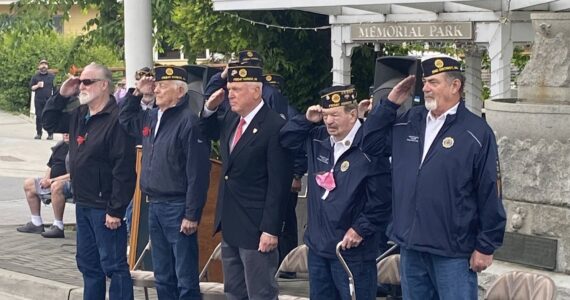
(57,159)
(175,162)
(256,178)
(101,154)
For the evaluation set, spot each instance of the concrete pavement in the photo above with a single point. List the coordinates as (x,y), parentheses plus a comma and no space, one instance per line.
(32,267)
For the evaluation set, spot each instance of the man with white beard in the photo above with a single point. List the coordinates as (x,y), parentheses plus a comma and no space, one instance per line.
(102,169)
(448,217)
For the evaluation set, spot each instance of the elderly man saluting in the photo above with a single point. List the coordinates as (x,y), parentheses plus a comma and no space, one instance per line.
(175,177)
(254,184)
(102,169)
(349,195)
(448,215)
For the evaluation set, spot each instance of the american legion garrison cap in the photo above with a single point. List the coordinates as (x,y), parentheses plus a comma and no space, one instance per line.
(439,64)
(338,96)
(245,74)
(249,58)
(170,73)
(275,80)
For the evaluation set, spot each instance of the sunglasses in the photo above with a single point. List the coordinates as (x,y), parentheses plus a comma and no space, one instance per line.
(141,74)
(88,82)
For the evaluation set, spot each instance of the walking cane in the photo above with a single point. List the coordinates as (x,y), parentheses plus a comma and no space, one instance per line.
(347,270)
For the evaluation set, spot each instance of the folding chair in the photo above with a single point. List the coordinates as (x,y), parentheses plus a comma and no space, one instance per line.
(518,285)
(296,261)
(211,290)
(144,279)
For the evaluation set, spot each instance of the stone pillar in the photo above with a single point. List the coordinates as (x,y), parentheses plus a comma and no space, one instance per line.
(138,37)
(473,83)
(501,53)
(341,59)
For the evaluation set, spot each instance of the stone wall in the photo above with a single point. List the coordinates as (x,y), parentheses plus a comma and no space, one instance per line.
(536,190)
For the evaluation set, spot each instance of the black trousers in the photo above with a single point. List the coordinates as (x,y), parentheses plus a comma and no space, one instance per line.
(39,104)
(288,239)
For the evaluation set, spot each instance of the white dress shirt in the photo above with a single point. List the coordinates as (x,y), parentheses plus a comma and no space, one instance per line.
(339,147)
(247,119)
(433,126)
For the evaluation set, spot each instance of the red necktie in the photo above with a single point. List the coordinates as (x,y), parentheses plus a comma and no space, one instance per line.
(238,132)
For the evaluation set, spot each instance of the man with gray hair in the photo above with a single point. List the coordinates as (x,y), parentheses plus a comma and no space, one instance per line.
(175,177)
(448,217)
(254,184)
(102,169)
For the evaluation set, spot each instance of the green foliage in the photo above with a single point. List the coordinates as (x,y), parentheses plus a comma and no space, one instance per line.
(301,57)
(19,56)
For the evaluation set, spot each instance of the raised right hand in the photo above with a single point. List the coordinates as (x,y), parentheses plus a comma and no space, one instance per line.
(70,87)
(314,113)
(402,91)
(215,99)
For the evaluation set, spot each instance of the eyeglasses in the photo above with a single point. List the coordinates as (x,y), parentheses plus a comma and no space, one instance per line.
(88,82)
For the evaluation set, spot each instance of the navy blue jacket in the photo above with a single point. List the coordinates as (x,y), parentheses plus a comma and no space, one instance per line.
(361,199)
(175,162)
(450,204)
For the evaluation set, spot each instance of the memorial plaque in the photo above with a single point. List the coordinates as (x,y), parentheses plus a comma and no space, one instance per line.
(530,250)
(391,31)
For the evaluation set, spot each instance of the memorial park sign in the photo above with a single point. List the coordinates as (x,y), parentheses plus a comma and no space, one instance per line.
(412,31)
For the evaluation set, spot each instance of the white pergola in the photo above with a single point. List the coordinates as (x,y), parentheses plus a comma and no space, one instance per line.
(497,26)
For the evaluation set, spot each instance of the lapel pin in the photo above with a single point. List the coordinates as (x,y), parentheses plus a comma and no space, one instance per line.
(447,142)
(254,130)
(344,166)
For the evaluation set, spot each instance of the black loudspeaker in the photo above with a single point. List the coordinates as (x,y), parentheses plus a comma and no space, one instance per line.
(392,69)
(198,77)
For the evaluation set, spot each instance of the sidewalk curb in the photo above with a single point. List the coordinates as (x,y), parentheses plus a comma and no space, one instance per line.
(31,287)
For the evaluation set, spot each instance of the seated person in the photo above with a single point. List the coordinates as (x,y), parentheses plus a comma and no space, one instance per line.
(54,187)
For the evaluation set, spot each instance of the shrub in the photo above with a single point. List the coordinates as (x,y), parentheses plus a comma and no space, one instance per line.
(19,58)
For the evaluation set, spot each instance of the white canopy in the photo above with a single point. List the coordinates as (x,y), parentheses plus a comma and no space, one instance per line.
(496,24)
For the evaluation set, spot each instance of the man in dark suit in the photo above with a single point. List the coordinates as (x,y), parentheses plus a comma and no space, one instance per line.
(254,184)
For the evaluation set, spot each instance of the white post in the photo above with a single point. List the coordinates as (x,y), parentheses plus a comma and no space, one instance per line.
(501,53)
(473,83)
(341,59)
(138,37)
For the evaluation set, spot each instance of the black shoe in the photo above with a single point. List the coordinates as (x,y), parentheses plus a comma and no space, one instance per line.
(37,137)
(54,232)
(287,275)
(31,228)
(50,136)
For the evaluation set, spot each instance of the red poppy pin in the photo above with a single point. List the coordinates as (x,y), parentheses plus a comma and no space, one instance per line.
(80,140)
(146,131)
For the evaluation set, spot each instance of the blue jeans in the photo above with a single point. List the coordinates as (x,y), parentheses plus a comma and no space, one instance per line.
(102,253)
(429,276)
(329,281)
(174,254)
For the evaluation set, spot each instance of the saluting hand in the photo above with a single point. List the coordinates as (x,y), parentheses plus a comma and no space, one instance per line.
(188,227)
(145,86)
(402,91)
(314,113)
(215,99)
(112,222)
(364,106)
(70,87)
(351,239)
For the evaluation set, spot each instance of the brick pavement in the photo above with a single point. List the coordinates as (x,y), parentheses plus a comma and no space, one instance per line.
(52,259)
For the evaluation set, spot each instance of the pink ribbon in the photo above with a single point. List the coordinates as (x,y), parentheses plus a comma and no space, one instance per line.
(326,181)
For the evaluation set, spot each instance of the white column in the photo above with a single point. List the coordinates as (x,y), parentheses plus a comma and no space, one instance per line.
(138,37)
(341,59)
(473,83)
(501,53)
